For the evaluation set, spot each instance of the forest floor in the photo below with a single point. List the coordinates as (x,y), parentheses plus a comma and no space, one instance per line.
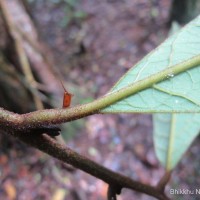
(94,43)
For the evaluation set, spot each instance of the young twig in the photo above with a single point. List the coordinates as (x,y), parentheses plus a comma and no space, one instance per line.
(113,191)
(50,146)
(163,181)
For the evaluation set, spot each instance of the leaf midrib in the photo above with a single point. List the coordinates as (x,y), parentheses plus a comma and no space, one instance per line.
(148,82)
(171,142)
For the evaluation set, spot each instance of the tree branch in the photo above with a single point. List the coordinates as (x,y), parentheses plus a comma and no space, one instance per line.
(50,146)
(113,190)
(57,116)
(163,181)
(20,126)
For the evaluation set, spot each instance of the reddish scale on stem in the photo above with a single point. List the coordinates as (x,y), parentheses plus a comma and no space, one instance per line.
(66,98)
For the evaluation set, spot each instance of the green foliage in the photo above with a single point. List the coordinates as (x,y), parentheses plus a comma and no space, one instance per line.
(175,93)
(173,133)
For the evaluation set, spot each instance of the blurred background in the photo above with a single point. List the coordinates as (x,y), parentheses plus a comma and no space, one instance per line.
(88,45)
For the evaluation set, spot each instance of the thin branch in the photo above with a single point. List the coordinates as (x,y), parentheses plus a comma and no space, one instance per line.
(20,126)
(65,154)
(58,116)
(113,190)
(163,181)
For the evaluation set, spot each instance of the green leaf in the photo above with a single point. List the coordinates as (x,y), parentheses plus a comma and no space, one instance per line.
(173,134)
(166,80)
(170,140)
